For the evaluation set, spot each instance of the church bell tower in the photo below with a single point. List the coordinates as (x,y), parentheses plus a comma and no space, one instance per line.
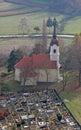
(54,48)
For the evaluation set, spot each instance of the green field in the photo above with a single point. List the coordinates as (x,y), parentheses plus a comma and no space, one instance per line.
(74,103)
(10,23)
(73,25)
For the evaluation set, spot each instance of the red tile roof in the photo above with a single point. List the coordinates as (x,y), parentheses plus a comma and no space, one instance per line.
(23,62)
(40,61)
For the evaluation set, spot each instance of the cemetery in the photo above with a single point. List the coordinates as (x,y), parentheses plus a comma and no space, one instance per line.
(36,110)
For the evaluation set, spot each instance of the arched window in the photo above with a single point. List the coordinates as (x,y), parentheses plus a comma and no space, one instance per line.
(54,50)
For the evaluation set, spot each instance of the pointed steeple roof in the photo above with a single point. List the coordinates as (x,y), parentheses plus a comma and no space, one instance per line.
(54,40)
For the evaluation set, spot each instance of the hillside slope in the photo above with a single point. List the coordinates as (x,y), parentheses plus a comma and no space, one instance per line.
(72,7)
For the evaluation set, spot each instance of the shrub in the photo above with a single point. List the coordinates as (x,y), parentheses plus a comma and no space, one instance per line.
(14,128)
(23,122)
(18,125)
(59,116)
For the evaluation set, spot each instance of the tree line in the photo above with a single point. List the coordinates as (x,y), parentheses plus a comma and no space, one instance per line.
(24,27)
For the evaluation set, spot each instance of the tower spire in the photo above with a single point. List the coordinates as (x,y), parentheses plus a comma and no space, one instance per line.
(54,48)
(55,25)
(54,40)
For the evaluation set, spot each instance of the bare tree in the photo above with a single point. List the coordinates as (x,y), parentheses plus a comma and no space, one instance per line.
(38,47)
(44,36)
(76,56)
(65,59)
(45,66)
(25,50)
(3,59)
(23,26)
(25,71)
(41,44)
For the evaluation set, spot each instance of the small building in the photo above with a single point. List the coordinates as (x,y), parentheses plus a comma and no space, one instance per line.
(39,67)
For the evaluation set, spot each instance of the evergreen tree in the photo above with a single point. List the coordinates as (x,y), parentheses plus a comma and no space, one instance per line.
(18,55)
(14,57)
(59,116)
(11,61)
(49,23)
(55,23)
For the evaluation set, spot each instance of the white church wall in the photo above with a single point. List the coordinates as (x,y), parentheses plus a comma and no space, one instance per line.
(53,75)
(49,75)
(41,76)
(17,74)
(53,56)
(31,81)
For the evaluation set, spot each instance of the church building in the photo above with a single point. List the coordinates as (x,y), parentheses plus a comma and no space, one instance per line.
(40,67)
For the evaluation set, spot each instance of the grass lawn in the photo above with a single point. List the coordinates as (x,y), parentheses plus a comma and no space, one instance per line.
(74,103)
(9,81)
(73,25)
(6,45)
(10,24)
(14,86)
